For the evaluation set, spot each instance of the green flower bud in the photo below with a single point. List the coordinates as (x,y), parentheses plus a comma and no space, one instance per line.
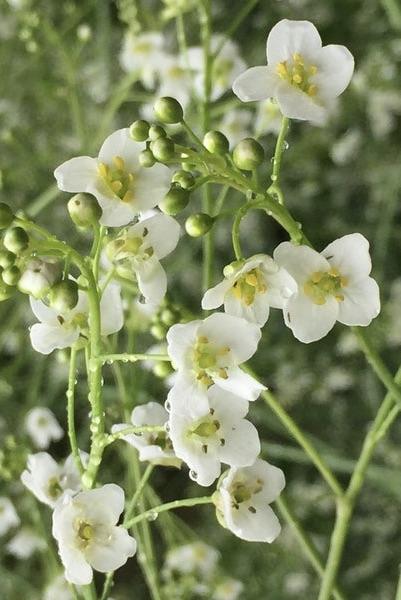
(168,317)
(158,331)
(216,142)
(162,148)
(155,132)
(139,130)
(16,239)
(248,154)
(174,201)
(11,275)
(7,258)
(84,210)
(168,110)
(6,291)
(162,369)
(6,215)
(184,179)
(198,224)
(146,158)
(63,296)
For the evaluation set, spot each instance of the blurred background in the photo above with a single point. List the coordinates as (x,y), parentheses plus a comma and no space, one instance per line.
(67,81)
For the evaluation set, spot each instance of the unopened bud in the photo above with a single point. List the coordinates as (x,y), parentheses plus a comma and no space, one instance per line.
(248,154)
(63,296)
(168,110)
(11,275)
(184,179)
(84,210)
(16,240)
(198,224)
(162,148)
(174,201)
(155,132)
(139,130)
(216,142)
(6,215)
(146,158)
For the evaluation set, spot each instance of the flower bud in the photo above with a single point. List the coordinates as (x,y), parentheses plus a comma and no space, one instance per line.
(216,142)
(63,296)
(158,331)
(6,215)
(155,132)
(162,369)
(248,154)
(162,148)
(184,179)
(169,110)
(168,317)
(16,239)
(174,201)
(146,158)
(6,291)
(84,210)
(198,224)
(11,275)
(139,130)
(38,277)
(6,258)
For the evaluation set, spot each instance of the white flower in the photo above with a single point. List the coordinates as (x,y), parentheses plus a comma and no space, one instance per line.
(38,277)
(121,186)
(249,289)
(236,125)
(243,499)
(197,557)
(58,590)
(140,248)
(47,480)
(57,330)
(332,286)
(175,79)
(384,106)
(268,118)
(88,537)
(301,75)
(229,589)
(205,436)
(8,515)
(42,427)
(25,543)
(141,54)
(153,447)
(209,351)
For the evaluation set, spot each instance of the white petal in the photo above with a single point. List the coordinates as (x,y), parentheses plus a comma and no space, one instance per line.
(280,287)
(289,37)
(240,384)
(111,309)
(163,234)
(308,321)
(150,186)
(44,313)
(335,66)
(104,504)
(119,143)
(261,526)
(296,104)
(214,297)
(77,175)
(112,554)
(272,477)
(350,255)
(237,334)
(242,445)
(257,83)
(46,338)
(231,406)
(300,261)
(186,395)
(77,569)
(180,339)
(151,413)
(361,303)
(152,280)
(257,312)
(115,213)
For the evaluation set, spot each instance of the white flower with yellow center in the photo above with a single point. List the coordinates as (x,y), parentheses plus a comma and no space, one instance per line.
(42,427)
(153,447)
(304,77)
(85,527)
(332,286)
(141,54)
(242,501)
(121,186)
(57,331)
(228,589)
(140,248)
(8,515)
(197,558)
(175,79)
(210,351)
(249,289)
(206,436)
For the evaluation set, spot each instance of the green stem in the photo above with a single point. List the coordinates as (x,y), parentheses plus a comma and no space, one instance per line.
(138,492)
(278,152)
(126,358)
(70,409)
(398,592)
(133,430)
(152,513)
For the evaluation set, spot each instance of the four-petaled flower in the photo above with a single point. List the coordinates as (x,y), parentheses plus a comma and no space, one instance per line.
(42,427)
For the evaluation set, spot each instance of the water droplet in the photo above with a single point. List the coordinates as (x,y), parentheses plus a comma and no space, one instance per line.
(152,516)
(167,405)
(285,145)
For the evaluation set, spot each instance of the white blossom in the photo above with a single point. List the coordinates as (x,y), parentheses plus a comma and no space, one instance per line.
(25,543)
(236,125)
(141,54)
(228,589)
(249,289)
(58,590)
(242,501)
(197,558)
(121,186)
(332,286)
(38,277)
(8,515)
(304,77)
(268,118)
(85,527)
(42,427)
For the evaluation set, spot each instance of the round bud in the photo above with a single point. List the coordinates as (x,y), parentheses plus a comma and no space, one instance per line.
(11,275)
(63,296)
(6,215)
(139,130)
(198,224)
(169,110)
(248,154)
(162,369)
(184,179)
(155,132)
(146,158)
(174,201)
(168,317)
(162,148)
(7,258)
(84,210)
(158,331)
(16,239)
(6,291)
(216,142)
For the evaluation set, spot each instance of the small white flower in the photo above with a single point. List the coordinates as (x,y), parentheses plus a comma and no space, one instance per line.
(332,286)
(57,330)
(88,537)
(236,125)
(175,79)
(42,427)
(58,590)
(206,436)
(121,186)
(38,277)
(153,447)
(142,54)
(210,351)
(249,289)
(140,248)
(47,480)
(243,499)
(304,77)
(228,589)
(197,558)
(25,543)
(268,118)
(8,515)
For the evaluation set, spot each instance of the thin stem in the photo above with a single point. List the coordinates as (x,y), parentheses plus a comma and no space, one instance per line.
(126,358)
(235,23)
(138,492)
(152,513)
(278,152)
(133,430)
(71,409)
(398,592)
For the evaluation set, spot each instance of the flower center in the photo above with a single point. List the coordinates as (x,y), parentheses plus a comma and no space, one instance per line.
(209,360)
(126,247)
(298,73)
(247,286)
(243,491)
(142,48)
(85,532)
(54,488)
(322,285)
(117,178)
(205,431)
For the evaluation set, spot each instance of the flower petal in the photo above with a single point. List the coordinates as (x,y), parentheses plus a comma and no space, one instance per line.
(296,104)
(300,261)
(46,338)
(152,280)
(214,297)
(163,234)
(119,143)
(77,175)
(111,309)
(112,554)
(256,83)
(180,339)
(242,445)
(105,503)
(77,570)
(290,37)
(350,255)
(335,66)
(150,186)
(361,303)
(240,336)
(308,321)
(240,384)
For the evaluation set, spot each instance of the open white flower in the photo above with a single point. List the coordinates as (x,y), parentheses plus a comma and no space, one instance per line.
(42,427)
(236,125)
(332,286)
(85,527)
(304,77)
(196,557)
(141,54)
(228,589)
(140,248)
(38,277)
(121,186)
(206,436)
(249,289)
(57,330)
(25,543)
(47,480)
(175,79)
(210,351)
(242,501)
(8,515)
(153,447)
